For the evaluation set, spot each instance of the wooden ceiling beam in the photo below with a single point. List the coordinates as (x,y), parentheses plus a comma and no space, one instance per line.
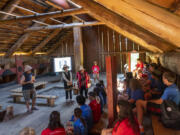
(45,41)
(33,12)
(9,8)
(125,27)
(62,26)
(20,41)
(157,20)
(55,14)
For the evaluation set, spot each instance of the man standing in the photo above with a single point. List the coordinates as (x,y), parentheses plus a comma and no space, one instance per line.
(67,77)
(27,82)
(95,70)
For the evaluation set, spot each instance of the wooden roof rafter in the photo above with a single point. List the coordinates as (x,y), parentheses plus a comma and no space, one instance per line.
(63,38)
(125,27)
(9,8)
(148,16)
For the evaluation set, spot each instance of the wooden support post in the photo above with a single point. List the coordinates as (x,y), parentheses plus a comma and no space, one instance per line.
(19,67)
(129,62)
(78,48)
(111,76)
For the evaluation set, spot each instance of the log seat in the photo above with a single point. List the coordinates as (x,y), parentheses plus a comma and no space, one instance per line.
(50,98)
(159,129)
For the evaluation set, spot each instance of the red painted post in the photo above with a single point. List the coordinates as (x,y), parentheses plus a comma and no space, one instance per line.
(111,75)
(19,67)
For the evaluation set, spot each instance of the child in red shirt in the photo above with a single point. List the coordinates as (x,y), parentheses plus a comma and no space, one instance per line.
(55,127)
(126,123)
(95,107)
(95,70)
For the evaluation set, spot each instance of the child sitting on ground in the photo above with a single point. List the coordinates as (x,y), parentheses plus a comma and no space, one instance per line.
(95,107)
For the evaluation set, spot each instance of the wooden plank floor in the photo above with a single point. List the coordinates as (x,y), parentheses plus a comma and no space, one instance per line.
(159,129)
(38,119)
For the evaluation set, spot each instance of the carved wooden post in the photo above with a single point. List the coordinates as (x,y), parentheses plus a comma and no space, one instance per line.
(111,75)
(78,48)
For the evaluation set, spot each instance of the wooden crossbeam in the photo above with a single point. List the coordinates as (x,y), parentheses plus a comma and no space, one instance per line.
(61,26)
(9,8)
(125,27)
(55,14)
(158,21)
(33,12)
(46,40)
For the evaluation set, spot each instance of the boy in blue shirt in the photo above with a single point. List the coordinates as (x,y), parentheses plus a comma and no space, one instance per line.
(86,111)
(153,106)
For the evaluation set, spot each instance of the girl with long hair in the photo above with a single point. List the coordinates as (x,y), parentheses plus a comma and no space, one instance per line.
(126,123)
(80,127)
(54,127)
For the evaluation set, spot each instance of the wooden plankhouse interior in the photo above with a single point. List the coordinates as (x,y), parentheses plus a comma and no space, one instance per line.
(36,31)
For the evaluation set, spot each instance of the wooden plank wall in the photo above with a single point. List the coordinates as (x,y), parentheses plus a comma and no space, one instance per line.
(65,49)
(112,43)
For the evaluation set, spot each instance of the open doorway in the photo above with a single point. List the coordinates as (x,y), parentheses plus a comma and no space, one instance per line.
(134,57)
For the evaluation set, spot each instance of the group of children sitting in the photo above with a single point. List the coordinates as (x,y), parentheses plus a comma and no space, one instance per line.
(143,92)
(84,117)
(147,89)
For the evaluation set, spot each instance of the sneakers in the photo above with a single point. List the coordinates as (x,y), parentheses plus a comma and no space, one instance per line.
(34,108)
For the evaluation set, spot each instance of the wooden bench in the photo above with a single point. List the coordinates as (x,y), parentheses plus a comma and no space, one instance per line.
(103,123)
(50,98)
(37,86)
(159,129)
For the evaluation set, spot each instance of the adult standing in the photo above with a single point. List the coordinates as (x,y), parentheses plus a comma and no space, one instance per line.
(67,77)
(28,90)
(82,77)
(95,70)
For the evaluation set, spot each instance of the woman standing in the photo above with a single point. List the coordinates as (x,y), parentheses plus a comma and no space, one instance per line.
(67,77)
(82,77)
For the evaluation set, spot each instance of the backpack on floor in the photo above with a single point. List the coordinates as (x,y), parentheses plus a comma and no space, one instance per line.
(170,115)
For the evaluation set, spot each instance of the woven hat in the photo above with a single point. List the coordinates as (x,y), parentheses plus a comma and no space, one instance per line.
(27,68)
(65,66)
(81,68)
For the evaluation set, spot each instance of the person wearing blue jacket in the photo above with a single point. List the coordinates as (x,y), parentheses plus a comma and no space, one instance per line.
(80,127)
(86,111)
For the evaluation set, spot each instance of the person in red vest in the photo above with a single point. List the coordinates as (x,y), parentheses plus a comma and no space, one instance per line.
(126,124)
(55,127)
(95,70)
(95,107)
(82,81)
